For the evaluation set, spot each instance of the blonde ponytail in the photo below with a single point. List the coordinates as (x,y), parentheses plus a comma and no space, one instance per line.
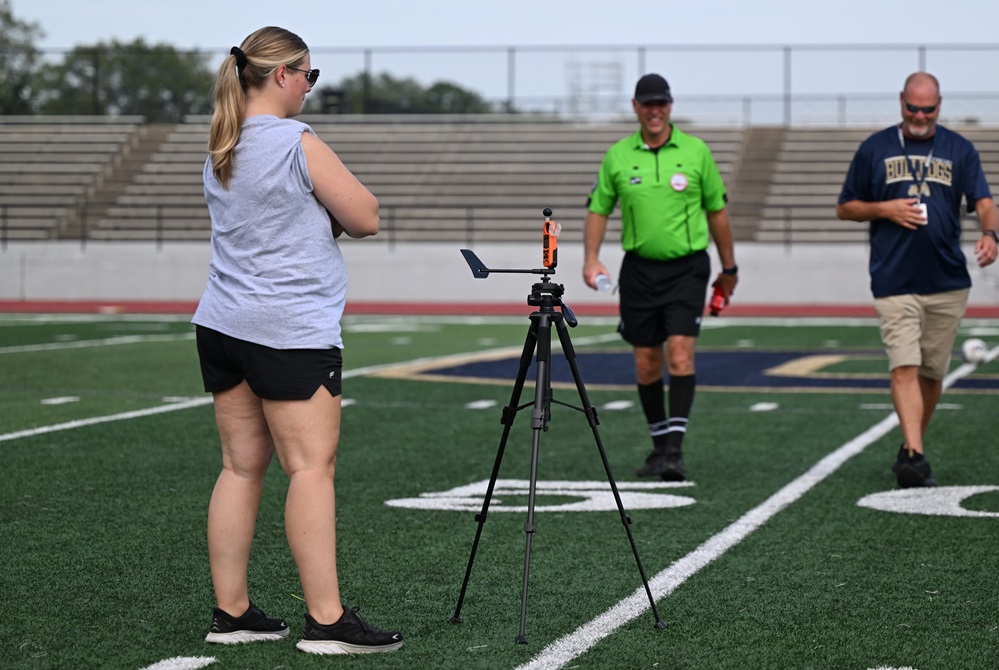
(246,67)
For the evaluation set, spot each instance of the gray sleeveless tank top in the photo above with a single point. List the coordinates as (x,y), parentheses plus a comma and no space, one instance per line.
(276,275)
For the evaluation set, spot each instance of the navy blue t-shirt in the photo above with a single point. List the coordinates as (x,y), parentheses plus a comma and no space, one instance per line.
(928,259)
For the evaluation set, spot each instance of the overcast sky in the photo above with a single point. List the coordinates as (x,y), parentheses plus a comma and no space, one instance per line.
(665,26)
(207,23)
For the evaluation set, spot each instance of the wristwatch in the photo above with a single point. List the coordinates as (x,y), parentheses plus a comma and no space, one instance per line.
(734,270)
(994,234)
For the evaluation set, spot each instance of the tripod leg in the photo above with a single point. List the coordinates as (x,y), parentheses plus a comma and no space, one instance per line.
(539,421)
(509,414)
(591,416)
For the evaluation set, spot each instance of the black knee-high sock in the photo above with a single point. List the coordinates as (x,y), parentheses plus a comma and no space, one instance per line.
(681,399)
(653,399)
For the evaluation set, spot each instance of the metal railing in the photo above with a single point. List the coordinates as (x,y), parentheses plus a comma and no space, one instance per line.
(747,84)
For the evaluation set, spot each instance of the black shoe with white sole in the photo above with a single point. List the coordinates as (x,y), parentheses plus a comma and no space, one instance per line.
(253,626)
(350,635)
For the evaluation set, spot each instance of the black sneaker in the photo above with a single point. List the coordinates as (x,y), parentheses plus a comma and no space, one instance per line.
(902,457)
(654,464)
(667,464)
(914,471)
(673,467)
(253,626)
(350,635)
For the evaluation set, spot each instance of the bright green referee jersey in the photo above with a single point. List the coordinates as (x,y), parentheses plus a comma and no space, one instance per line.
(664,195)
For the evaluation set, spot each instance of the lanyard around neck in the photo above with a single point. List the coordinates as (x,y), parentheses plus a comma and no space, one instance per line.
(912,166)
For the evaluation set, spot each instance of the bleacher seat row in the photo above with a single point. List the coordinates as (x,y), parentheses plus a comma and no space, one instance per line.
(470,179)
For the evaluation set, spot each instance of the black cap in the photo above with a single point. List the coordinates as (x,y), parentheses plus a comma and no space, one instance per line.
(652,88)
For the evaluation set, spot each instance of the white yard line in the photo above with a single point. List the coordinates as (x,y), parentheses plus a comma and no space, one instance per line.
(136,414)
(124,416)
(565,649)
(207,400)
(183,663)
(104,342)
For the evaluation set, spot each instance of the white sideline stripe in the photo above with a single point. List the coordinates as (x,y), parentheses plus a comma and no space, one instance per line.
(198,402)
(575,644)
(136,414)
(182,663)
(104,342)
(80,423)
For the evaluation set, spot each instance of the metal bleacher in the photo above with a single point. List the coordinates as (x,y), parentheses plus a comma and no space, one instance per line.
(806,180)
(487,182)
(464,180)
(160,197)
(454,179)
(808,175)
(51,166)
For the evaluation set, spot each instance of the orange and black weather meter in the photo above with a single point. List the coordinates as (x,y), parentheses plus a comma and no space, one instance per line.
(549,241)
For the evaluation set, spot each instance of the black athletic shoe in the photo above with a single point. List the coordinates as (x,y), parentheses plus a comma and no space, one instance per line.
(253,626)
(665,464)
(673,468)
(654,464)
(902,457)
(350,635)
(914,471)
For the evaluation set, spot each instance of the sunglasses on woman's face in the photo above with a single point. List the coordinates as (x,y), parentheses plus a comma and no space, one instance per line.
(311,76)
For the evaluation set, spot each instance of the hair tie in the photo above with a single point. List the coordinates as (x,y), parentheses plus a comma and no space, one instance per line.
(241,60)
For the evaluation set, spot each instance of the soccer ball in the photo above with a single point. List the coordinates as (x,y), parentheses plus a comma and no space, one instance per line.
(974,350)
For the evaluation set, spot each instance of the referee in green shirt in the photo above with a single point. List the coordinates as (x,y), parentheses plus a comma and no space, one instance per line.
(672,198)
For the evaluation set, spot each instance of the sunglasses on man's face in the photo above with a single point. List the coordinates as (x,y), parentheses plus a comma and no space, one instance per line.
(913,109)
(311,76)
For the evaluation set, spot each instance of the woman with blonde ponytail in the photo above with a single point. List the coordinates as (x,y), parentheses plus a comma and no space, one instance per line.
(268,334)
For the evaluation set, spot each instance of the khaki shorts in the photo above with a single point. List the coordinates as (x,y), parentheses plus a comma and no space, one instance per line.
(919,330)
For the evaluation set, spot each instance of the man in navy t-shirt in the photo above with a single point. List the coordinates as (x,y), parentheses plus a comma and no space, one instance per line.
(908,181)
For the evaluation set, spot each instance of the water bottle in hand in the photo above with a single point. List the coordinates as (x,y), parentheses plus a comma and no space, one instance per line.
(603,283)
(718,301)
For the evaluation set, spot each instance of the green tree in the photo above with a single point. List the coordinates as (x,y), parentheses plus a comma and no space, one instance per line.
(155,81)
(386,94)
(18,62)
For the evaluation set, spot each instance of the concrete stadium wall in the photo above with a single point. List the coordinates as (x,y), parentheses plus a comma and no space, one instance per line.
(435,274)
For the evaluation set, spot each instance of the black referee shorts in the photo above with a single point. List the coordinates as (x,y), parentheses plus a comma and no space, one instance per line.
(272,374)
(662,298)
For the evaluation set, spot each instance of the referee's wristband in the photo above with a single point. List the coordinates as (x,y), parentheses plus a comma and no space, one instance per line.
(991,233)
(734,270)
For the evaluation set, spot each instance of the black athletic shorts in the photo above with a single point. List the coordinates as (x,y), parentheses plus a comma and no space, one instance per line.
(272,374)
(662,298)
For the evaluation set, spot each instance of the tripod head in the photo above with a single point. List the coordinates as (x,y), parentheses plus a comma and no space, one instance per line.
(544,294)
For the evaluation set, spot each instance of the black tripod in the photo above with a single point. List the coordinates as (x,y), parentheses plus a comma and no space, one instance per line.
(545,295)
